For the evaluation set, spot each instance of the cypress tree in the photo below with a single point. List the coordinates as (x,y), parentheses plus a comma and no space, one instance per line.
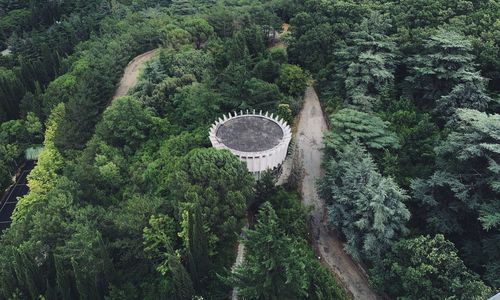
(197,248)
(182,286)
(62,279)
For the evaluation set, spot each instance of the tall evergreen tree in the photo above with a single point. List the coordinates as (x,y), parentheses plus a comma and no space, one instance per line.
(273,267)
(365,207)
(370,57)
(469,93)
(446,73)
(349,125)
(182,286)
(461,197)
(196,244)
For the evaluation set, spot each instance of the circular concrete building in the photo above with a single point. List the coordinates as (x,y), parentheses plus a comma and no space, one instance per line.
(261,141)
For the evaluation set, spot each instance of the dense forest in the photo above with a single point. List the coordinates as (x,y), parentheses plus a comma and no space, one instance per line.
(129,201)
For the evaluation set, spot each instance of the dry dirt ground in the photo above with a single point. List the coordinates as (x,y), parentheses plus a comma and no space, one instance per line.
(131,73)
(329,247)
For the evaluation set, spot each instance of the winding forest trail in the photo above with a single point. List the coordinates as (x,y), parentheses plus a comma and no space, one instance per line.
(131,73)
(329,247)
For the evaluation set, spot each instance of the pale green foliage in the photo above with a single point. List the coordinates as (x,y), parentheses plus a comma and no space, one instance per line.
(367,208)
(273,267)
(159,240)
(427,268)
(293,79)
(43,178)
(349,125)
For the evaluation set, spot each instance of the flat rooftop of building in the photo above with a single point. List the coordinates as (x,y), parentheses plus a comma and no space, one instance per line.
(250,134)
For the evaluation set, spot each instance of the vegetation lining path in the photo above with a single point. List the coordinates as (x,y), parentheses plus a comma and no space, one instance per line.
(311,128)
(131,74)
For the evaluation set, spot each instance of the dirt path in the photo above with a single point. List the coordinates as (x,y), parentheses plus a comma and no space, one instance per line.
(239,260)
(310,131)
(131,73)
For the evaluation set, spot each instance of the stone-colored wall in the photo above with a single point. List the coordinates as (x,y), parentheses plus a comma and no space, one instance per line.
(256,161)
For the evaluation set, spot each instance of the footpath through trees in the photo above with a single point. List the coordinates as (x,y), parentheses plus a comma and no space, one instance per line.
(310,130)
(131,73)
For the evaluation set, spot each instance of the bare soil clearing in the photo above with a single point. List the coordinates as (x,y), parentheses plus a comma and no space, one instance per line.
(329,247)
(131,73)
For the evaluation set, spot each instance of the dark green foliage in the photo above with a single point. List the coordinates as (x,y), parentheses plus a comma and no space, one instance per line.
(221,186)
(366,63)
(265,187)
(126,124)
(431,60)
(197,248)
(427,268)
(289,223)
(417,135)
(394,75)
(277,272)
(461,198)
(445,71)
(182,286)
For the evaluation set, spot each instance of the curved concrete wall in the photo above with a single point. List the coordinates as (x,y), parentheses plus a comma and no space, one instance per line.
(256,161)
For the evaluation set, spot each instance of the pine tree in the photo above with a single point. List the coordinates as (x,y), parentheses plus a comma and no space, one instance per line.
(369,56)
(273,267)
(62,278)
(461,198)
(469,93)
(446,73)
(182,7)
(159,245)
(28,274)
(349,125)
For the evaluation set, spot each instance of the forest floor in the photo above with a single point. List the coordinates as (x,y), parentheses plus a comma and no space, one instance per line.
(131,73)
(329,247)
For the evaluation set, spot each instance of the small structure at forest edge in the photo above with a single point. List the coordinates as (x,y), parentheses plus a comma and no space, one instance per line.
(259,140)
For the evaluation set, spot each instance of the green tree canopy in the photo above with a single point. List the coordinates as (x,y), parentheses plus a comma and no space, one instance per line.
(427,268)
(462,196)
(349,125)
(293,79)
(368,209)
(277,272)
